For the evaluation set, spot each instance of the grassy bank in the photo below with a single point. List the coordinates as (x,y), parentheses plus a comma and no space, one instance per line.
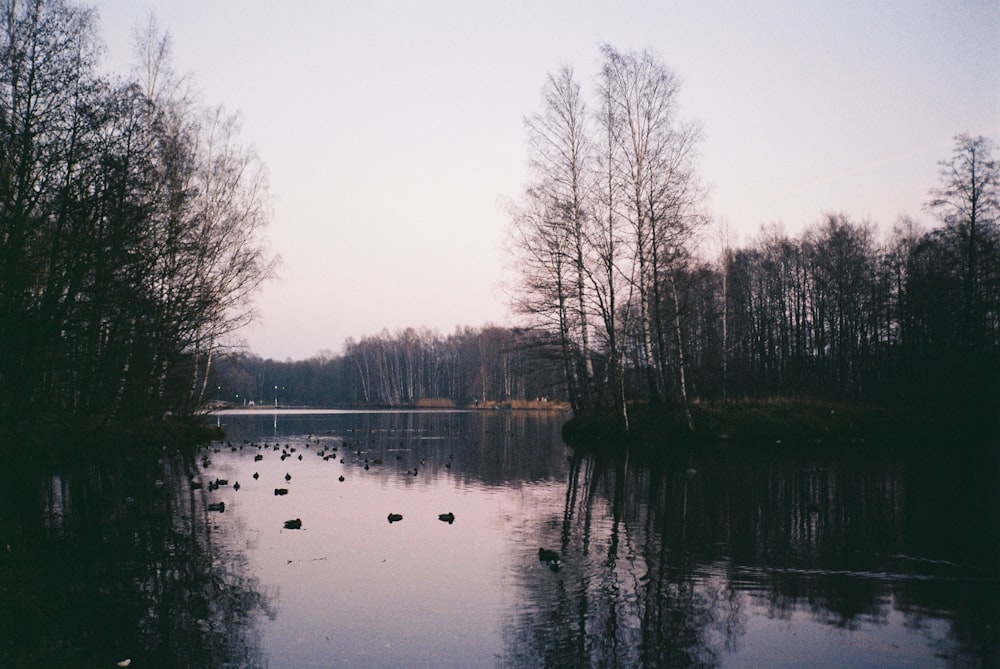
(511,405)
(54,438)
(781,420)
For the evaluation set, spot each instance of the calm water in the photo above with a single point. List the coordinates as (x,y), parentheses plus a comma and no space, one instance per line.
(717,557)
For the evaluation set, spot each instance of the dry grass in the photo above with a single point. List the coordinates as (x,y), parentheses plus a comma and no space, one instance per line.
(435,403)
(521,405)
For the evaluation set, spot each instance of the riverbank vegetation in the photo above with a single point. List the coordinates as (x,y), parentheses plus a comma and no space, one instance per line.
(610,238)
(131,217)
(776,421)
(130,220)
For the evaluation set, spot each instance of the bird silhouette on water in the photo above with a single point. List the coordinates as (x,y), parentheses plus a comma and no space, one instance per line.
(549,557)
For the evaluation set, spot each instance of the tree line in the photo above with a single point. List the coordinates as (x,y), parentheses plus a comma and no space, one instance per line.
(472,366)
(130,221)
(606,236)
(131,215)
(619,302)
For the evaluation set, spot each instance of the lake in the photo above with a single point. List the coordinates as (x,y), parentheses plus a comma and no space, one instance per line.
(716,556)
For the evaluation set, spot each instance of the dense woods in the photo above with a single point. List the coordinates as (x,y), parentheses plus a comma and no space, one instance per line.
(611,273)
(130,217)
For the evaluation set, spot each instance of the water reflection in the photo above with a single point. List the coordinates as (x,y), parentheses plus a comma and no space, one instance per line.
(724,557)
(484,447)
(715,557)
(114,561)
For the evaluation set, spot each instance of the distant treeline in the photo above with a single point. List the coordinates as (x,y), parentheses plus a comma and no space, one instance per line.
(129,224)
(406,368)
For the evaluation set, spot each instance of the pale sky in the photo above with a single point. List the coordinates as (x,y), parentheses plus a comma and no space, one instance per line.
(392,131)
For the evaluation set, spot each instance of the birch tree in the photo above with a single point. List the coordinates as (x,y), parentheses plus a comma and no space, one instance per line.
(560,155)
(661,197)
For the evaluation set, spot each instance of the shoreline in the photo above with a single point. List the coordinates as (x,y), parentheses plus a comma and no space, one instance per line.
(782,421)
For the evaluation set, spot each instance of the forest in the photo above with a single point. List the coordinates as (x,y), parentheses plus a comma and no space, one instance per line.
(484,366)
(130,221)
(611,235)
(627,292)
(834,313)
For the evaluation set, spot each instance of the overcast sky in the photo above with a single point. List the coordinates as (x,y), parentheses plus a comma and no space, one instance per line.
(392,131)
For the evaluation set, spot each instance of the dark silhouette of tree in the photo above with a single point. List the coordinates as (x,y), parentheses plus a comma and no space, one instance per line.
(605,228)
(130,217)
(561,157)
(968,205)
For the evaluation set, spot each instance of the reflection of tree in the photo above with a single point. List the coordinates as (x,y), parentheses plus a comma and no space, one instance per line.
(492,447)
(665,561)
(115,560)
(627,594)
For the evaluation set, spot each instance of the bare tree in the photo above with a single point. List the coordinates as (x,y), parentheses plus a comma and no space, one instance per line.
(544,293)
(640,97)
(210,206)
(561,156)
(661,196)
(609,273)
(51,124)
(131,223)
(968,204)
(724,232)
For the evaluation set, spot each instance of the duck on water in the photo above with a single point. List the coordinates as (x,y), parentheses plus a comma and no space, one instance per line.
(549,557)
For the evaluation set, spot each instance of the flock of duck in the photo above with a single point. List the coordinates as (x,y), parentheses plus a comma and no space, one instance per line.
(327,452)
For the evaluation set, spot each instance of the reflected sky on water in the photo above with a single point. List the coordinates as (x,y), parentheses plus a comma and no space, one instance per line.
(715,557)
(711,558)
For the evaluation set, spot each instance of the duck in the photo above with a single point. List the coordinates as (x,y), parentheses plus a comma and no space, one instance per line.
(288,477)
(258,457)
(280,491)
(341,478)
(395,517)
(549,557)
(293,524)
(236,486)
(447,517)
(256,475)
(217,506)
